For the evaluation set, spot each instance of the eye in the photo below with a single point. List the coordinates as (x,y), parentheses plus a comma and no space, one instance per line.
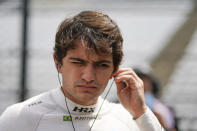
(77,62)
(103,65)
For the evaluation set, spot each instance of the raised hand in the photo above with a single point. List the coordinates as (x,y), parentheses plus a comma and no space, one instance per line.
(131,96)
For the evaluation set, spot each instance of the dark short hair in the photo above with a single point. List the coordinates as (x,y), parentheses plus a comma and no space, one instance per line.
(99,31)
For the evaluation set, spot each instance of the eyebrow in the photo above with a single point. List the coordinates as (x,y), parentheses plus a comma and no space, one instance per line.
(81,60)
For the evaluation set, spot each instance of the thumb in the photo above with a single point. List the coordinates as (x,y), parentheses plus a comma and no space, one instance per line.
(120,86)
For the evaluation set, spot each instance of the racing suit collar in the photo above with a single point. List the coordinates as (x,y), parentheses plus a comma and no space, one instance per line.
(74,108)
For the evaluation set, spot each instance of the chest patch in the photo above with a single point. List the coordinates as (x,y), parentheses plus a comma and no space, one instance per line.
(84,110)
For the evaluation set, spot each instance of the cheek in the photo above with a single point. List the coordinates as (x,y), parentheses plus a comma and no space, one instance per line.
(104,77)
(70,74)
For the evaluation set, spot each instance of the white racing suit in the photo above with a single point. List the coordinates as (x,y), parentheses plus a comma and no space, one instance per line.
(48,112)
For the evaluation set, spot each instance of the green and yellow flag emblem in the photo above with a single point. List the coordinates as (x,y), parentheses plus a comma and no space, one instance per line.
(67,118)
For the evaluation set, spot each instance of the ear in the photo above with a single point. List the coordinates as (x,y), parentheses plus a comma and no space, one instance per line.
(112,75)
(57,64)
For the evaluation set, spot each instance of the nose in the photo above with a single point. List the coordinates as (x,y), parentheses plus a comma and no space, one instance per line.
(88,73)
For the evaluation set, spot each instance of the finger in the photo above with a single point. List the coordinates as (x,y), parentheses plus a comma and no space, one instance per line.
(124,82)
(124,77)
(121,70)
(121,89)
(126,71)
(119,86)
(130,80)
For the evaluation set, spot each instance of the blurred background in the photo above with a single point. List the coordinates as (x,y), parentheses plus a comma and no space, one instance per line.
(160,37)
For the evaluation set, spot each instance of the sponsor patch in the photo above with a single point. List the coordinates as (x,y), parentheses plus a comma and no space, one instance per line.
(35,103)
(84,118)
(67,118)
(82,109)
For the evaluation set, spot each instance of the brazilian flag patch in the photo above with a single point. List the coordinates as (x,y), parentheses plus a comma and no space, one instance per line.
(67,118)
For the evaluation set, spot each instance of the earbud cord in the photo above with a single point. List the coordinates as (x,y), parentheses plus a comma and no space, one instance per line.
(102,104)
(66,103)
(98,110)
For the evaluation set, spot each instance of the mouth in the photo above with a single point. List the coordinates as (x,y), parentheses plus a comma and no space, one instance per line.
(86,86)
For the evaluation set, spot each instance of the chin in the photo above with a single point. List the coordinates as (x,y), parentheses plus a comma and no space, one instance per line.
(88,98)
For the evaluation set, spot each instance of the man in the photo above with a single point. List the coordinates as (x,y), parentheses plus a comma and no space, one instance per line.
(87,53)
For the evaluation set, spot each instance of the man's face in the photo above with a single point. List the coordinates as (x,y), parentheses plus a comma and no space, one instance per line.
(85,75)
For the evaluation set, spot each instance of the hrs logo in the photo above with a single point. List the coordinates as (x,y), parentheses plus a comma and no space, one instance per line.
(81,109)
